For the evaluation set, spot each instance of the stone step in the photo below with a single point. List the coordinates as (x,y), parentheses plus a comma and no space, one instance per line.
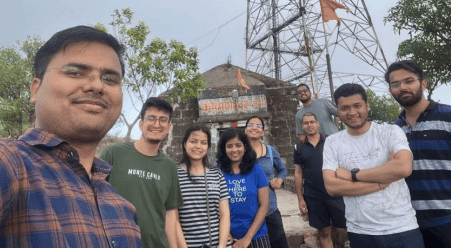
(297,229)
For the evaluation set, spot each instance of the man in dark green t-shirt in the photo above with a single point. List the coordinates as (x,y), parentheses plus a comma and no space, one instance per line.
(146,177)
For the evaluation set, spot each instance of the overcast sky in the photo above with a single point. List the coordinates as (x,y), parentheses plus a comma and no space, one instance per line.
(185,20)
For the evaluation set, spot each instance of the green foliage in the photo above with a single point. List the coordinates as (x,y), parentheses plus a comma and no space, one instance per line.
(150,66)
(428,23)
(154,67)
(382,108)
(16,73)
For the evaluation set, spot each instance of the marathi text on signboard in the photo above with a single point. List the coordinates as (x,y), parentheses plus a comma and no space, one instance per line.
(227,106)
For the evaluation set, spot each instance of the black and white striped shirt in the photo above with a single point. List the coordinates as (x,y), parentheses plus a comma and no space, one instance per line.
(193,214)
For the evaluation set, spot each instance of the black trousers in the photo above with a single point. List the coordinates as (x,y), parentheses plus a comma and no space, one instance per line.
(276,232)
(437,237)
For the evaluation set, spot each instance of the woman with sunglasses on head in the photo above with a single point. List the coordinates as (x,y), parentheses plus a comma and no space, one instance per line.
(269,160)
(204,219)
(248,189)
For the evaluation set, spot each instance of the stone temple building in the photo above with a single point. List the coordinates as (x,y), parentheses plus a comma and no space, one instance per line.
(224,105)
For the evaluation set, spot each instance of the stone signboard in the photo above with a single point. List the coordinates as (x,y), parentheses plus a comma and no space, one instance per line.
(227,106)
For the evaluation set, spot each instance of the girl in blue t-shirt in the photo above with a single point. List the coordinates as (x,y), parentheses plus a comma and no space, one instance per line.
(248,189)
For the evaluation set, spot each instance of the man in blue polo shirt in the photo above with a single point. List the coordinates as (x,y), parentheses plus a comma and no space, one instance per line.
(313,198)
(427,125)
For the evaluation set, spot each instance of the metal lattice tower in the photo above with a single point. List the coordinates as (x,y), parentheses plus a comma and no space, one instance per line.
(286,39)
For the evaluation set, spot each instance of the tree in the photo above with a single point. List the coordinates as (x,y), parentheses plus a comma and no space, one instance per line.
(16,73)
(155,67)
(428,23)
(382,108)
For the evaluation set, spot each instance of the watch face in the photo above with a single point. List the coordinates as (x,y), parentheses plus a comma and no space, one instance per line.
(353,174)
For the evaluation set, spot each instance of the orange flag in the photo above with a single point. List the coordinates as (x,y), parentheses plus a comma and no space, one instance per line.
(328,10)
(240,80)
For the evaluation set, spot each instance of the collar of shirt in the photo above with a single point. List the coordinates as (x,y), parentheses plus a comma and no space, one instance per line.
(432,105)
(321,138)
(50,142)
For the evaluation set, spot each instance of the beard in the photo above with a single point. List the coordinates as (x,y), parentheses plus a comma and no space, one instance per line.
(411,101)
(154,141)
(305,100)
(310,133)
(357,125)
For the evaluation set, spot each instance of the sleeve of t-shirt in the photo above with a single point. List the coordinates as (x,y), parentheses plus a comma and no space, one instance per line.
(331,108)
(278,164)
(223,190)
(298,122)
(398,140)
(260,177)
(174,199)
(330,160)
(297,155)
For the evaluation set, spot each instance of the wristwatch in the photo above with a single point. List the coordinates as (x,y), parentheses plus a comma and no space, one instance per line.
(354,174)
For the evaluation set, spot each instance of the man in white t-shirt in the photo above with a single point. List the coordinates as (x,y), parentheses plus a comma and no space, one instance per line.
(367,164)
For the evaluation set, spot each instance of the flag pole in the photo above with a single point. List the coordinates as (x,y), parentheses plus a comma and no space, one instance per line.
(328,13)
(329,67)
(309,53)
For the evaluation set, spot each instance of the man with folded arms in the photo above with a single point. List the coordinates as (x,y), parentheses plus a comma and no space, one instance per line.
(367,164)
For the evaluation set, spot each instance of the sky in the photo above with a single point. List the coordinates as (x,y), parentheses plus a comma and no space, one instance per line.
(216,28)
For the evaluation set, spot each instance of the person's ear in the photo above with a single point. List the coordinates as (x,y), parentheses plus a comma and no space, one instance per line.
(141,124)
(34,88)
(424,84)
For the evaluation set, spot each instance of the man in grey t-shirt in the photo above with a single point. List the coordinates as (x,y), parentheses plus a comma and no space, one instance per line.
(322,108)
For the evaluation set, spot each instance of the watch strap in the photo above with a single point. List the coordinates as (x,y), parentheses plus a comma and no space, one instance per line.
(354,174)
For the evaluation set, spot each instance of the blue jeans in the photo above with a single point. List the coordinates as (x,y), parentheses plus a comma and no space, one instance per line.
(408,239)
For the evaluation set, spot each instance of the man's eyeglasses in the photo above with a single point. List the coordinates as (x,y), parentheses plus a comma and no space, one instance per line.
(84,74)
(407,81)
(303,91)
(252,125)
(152,120)
(308,123)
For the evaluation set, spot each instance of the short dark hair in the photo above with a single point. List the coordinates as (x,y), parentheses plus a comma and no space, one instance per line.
(62,39)
(302,84)
(249,157)
(256,117)
(155,102)
(348,89)
(185,158)
(408,65)
(309,114)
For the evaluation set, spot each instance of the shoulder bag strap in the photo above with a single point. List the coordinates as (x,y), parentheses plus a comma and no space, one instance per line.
(208,205)
(268,147)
